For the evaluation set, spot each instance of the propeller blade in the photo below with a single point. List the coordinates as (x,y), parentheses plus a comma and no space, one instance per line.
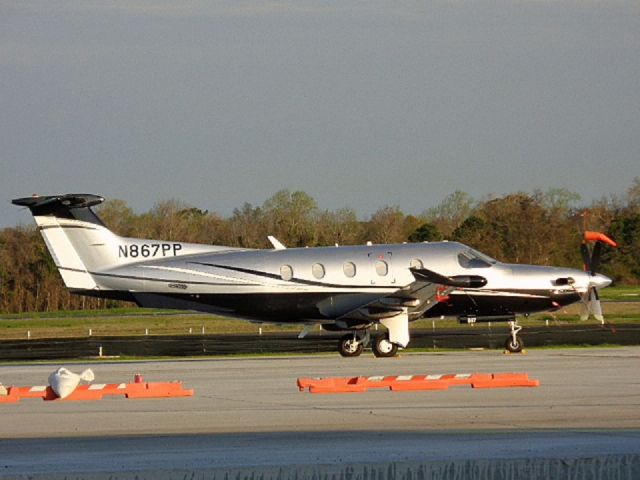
(584,307)
(598,237)
(591,259)
(586,257)
(595,306)
(595,258)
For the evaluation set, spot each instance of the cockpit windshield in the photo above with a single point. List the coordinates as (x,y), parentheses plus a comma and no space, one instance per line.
(471,258)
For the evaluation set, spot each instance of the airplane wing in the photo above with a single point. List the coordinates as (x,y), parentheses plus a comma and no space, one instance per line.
(425,292)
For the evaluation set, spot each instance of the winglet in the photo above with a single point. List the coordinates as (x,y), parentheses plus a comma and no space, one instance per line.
(276,243)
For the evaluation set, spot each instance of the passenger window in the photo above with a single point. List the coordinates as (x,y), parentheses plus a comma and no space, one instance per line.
(349,269)
(286,272)
(318,270)
(382,268)
(416,263)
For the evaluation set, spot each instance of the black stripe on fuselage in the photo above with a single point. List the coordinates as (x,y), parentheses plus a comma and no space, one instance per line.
(153,279)
(81,227)
(299,281)
(241,270)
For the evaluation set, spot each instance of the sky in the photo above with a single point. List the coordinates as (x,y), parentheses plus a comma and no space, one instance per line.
(359,104)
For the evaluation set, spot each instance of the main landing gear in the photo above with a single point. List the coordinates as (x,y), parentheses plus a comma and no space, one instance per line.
(351,345)
(514,343)
(384,345)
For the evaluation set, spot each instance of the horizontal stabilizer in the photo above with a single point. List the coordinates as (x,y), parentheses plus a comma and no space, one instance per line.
(49,204)
(74,206)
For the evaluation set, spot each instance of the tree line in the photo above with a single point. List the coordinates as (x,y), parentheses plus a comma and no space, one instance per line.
(543,228)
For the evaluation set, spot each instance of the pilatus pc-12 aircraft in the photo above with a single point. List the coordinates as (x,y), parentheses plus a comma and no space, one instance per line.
(350,288)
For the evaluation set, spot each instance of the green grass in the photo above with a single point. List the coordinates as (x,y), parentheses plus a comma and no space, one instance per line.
(131,324)
(621,294)
(107,312)
(621,305)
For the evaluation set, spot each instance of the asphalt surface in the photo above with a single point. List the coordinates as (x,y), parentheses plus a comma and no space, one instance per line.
(248,416)
(374,455)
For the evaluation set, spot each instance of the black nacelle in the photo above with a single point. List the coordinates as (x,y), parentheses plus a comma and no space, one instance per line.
(468,281)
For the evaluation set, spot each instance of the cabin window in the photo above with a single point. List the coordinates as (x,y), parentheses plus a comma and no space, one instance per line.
(286,272)
(416,263)
(382,268)
(349,269)
(317,270)
(473,259)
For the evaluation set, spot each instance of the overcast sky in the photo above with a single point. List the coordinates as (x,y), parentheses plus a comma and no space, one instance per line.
(359,104)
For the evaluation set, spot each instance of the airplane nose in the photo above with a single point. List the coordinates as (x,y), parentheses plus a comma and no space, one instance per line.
(600,281)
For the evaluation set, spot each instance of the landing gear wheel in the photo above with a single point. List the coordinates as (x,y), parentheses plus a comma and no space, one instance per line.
(350,346)
(514,347)
(382,347)
(514,343)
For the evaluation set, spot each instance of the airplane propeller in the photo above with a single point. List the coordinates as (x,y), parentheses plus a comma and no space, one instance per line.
(591,299)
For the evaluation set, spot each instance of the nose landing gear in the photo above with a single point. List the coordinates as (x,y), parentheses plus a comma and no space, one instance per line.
(514,343)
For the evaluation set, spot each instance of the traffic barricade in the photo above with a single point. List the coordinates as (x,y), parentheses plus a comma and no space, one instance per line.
(96,391)
(403,383)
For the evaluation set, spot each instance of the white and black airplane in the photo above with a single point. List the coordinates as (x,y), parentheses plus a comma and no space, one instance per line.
(350,288)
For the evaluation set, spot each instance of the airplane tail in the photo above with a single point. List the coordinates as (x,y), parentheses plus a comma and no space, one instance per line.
(83,248)
(76,238)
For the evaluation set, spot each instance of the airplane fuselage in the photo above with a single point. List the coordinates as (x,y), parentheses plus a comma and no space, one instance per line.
(319,284)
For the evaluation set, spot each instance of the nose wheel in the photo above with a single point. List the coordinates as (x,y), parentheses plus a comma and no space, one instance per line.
(514,343)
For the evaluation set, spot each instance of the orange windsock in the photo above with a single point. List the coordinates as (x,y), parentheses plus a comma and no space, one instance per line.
(598,237)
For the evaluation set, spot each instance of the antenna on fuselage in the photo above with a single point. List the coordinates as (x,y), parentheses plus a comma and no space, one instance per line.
(277,245)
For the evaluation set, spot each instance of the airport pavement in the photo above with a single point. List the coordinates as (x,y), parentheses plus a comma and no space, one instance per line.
(586,408)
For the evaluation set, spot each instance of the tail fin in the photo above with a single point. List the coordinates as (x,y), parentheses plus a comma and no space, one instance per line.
(83,248)
(75,236)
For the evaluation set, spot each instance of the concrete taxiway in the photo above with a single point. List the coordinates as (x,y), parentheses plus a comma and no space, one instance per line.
(248,413)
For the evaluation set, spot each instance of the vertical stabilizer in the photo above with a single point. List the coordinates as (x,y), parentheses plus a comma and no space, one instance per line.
(84,249)
(73,234)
